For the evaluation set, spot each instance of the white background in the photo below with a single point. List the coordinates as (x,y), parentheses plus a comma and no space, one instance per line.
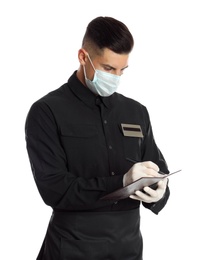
(38,53)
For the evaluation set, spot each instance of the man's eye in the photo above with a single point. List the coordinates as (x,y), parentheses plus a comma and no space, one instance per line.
(108,68)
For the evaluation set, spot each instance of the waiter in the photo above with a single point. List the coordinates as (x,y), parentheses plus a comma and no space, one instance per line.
(79,138)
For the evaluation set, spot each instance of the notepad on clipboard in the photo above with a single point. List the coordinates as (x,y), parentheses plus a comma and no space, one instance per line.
(139,184)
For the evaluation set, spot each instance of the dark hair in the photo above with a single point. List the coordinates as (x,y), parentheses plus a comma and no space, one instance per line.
(107,32)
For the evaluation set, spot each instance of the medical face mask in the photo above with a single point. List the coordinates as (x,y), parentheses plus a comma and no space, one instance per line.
(103,83)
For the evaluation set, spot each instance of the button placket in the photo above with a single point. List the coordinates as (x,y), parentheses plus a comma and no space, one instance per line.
(104,118)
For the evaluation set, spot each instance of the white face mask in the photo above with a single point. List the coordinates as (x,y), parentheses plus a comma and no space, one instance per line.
(103,83)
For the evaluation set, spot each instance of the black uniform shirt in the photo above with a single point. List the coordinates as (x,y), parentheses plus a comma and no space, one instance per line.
(78,151)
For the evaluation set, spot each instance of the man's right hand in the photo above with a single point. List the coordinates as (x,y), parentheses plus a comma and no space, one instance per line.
(139,170)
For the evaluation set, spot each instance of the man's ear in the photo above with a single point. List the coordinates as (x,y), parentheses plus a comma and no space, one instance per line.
(82,56)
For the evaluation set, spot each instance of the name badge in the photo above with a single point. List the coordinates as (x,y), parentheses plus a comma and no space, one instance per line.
(132,130)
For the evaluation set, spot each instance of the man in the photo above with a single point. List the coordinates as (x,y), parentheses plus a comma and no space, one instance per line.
(79,148)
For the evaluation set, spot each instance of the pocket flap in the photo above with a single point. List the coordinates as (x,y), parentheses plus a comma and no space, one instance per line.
(78,130)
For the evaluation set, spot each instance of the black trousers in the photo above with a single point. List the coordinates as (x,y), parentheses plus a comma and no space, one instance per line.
(93,236)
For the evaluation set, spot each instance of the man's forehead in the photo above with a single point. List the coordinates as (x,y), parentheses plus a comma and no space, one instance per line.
(112,59)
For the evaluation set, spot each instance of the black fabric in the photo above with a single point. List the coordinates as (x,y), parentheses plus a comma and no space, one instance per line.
(78,152)
(77,149)
(70,237)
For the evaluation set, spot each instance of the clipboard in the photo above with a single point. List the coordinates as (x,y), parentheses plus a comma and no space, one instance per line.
(139,184)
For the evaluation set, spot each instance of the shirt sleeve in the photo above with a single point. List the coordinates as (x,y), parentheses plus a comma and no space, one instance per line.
(58,187)
(150,151)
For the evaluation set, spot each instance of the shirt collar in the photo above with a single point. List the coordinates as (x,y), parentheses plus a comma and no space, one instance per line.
(108,101)
(85,95)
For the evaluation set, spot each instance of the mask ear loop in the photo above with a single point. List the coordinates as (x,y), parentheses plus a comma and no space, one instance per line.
(91,61)
(84,71)
(91,64)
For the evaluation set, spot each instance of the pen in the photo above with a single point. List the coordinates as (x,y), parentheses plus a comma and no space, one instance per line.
(133,161)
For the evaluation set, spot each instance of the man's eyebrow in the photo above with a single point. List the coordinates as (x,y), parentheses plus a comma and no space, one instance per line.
(107,65)
(125,67)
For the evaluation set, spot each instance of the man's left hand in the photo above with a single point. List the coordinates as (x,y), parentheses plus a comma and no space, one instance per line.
(150,195)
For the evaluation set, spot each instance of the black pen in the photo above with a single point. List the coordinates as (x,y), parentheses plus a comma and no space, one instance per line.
(133,161)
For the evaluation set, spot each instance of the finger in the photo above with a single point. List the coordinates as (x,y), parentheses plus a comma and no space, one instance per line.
(143,196)
(138,195)
(151,172)
(134,197)
(150,192)
(151,165)
(160,189)
(163,183)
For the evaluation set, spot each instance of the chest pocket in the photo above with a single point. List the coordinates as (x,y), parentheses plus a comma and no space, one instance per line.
(79,141)
(78,131)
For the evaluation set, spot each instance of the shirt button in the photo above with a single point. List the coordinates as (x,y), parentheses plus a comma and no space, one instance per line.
(105,121)
(97,101)
(113,173)
(110,147)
